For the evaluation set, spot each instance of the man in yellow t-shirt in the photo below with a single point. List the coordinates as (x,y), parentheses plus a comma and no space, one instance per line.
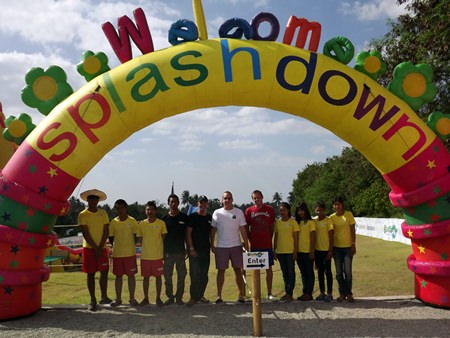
(94,226)
(151,233)
(122,230)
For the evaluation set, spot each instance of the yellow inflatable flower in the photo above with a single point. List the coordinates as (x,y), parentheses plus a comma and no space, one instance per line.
(45,89)
(413,84)
(93,65)
(370,63)
(18,128)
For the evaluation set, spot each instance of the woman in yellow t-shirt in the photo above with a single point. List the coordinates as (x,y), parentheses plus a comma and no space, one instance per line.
(306,247)
(285,248)
(344,248)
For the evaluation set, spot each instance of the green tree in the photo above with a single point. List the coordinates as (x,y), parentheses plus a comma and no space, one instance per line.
(422,35)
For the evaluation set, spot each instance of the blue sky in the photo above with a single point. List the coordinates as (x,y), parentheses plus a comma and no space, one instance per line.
(255,148)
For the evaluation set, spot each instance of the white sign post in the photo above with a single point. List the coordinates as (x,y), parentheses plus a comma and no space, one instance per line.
(256,261)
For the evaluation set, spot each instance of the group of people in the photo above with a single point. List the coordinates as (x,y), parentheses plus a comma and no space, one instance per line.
(165,244)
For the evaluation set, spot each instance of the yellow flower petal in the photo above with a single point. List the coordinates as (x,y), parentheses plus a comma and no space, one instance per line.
(92,64)
(372,64)
(45,88)
(17,128)
(414,84)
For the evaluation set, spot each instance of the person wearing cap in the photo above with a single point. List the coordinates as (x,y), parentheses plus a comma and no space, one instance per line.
(175,250)
(122,231)
(94,226)
(229,224)
(198,235)
(260,227)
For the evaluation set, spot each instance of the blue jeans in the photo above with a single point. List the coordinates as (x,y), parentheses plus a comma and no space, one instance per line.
(343,261)
(288,269)
(198,270)
(169,261)
(306,267)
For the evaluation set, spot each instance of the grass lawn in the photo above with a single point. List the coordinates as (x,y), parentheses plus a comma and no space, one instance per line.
(379,269)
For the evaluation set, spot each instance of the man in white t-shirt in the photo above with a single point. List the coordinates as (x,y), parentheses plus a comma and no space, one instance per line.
(229,224)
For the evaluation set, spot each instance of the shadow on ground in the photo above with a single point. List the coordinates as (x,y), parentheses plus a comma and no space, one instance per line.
(366,317)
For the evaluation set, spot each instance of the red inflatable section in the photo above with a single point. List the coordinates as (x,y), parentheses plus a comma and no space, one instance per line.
(22,271)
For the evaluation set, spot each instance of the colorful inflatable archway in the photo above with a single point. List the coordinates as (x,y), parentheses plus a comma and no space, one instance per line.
(44,171)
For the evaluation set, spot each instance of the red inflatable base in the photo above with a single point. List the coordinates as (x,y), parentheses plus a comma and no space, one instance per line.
(21,292)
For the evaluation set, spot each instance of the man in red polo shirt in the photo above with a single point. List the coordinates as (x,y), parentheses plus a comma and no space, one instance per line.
(260,224)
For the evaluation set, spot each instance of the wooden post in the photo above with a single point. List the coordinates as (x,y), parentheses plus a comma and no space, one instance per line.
(256,297)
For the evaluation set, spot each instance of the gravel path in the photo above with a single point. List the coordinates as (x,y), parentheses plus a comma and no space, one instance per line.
(368,317)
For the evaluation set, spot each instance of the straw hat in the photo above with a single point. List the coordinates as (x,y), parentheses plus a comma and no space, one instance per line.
(93,192)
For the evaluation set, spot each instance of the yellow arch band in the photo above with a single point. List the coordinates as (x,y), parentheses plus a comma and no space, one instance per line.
(221,72)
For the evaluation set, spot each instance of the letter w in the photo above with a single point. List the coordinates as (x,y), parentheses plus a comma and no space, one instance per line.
(379,103)
(120,42)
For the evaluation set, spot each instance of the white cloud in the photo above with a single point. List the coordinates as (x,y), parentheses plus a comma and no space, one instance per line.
(240,145)
(372,10)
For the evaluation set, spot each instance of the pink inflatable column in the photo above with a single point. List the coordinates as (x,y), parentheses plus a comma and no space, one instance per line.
(422,189)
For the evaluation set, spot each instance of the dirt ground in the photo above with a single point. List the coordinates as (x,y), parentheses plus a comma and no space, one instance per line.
(368,317)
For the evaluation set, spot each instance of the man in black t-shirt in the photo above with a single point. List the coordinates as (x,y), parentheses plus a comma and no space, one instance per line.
(198,241)
(175,250)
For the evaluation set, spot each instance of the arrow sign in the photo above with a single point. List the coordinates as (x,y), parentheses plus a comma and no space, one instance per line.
(255,260)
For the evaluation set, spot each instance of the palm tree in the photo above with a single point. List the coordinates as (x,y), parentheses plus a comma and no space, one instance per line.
(277,199)
(184,197)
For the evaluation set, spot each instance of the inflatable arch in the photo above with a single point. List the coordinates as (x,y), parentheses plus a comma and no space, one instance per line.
(49,164)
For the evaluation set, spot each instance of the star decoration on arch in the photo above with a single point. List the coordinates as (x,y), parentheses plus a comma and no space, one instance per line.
(427,232)
(431,164)
(52,172)
(421,249)
(444,256)
(423,283)
(8,290)
(32,168)
(410,233)
(14,264)
(14,249)
(43,189)
(6,217)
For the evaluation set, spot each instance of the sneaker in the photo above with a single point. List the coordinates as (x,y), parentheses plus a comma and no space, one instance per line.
(191,302)
(350,299)
(116,303)
(305,297)
(105,301)
(92,306)
(133,302)
(159,302)
(169,301)
(328,298)
(286,298)
(203,300)
(271,297)
(321,297)
(179,301)
(144,302)
(219,300)
(340,298)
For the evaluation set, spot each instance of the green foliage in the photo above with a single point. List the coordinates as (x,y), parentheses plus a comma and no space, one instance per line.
(420,36)
(349,175)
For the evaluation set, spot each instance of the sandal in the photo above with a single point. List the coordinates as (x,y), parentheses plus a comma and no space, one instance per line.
(219,300)
(134,302)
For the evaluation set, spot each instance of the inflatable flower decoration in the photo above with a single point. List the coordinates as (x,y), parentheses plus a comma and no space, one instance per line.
(440,124)
(413,84)
(370,63)
(18,128)
(45,88)
(93,65)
